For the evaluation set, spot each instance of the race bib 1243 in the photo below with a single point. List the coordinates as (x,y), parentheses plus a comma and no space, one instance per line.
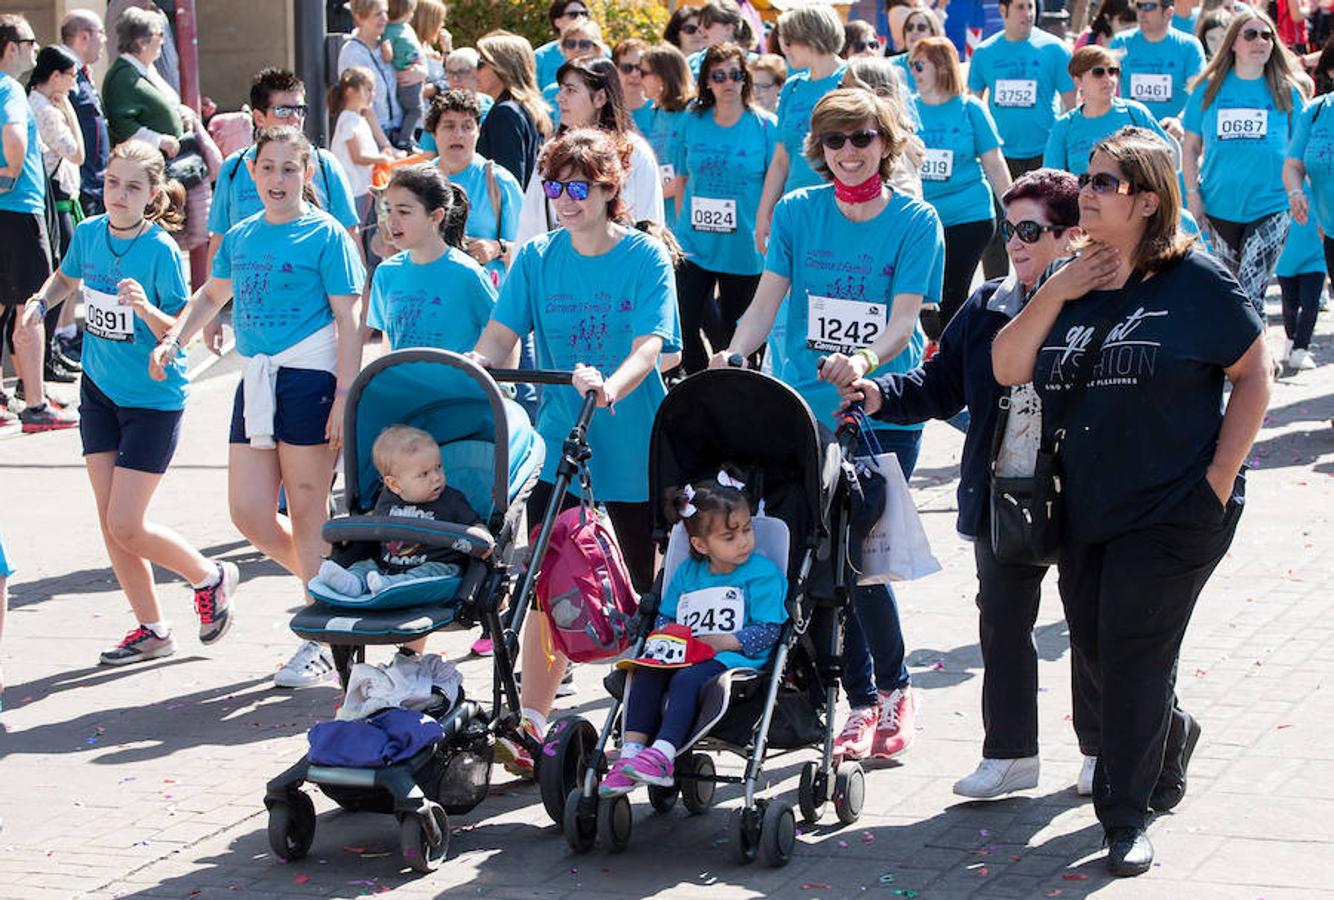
(715,610)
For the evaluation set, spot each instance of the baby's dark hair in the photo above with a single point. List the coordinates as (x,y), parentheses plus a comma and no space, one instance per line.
(712,503)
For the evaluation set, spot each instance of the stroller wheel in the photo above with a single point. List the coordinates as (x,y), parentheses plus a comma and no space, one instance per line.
(778,834)
(743,835)
(811,792)
(580,822)
(414,839)
(849,792)
(662,798)
(697,790)
(561,763)
(292,827)
(614,821)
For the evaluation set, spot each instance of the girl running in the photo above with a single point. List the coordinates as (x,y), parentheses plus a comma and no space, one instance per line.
(133,284)
(295,277)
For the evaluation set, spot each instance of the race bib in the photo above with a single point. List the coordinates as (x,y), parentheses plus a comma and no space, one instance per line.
(1016,92)
(938,165)
(842,326)
(716,215)
(667,172)
(104,316)
(1148,88)
(1242,124)
(717,610)
(665,648)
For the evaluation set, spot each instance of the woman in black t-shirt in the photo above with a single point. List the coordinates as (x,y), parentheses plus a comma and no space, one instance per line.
(1153,481)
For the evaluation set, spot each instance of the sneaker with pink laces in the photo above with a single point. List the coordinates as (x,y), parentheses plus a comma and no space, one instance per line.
(650,766)
(513,755)
(854,741)
(213,604)
(897,727)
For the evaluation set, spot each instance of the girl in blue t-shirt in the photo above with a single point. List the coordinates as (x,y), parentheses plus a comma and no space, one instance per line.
(670,88)
(724,149)
(600,299)
(295,278)
(730,598)
(130,274)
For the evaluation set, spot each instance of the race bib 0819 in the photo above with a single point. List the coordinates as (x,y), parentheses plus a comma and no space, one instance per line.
(938,165)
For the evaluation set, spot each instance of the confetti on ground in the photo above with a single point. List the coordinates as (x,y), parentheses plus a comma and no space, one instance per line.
(1054,892)
(843,843)
(301,879)
(938,666)
(1075,876)
(982,872)
(984,831)
(817,886)
(868,838)
(905,893)
(1285,725)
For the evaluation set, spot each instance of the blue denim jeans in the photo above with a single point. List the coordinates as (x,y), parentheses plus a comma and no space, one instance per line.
(873,647)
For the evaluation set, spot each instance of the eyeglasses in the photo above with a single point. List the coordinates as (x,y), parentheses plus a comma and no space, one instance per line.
(1147,7)
(718,76)
(288,110)
(459,73)
(578,190)
(689,29)
(578,44)
(835,140)
(574,14)
(1029,232)
(917,26)
(764,85)
(1104,71)
(1105,183)
(644,73)
(863,46)
(628,68)
(1251,34)
(919,67)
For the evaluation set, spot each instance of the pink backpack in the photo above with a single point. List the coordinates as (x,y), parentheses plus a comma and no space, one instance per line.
(584,588)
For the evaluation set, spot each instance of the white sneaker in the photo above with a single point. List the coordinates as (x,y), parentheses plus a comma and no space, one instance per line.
(1287,352)
(1084,784)
(1301,360)
(996,777)
(310,665)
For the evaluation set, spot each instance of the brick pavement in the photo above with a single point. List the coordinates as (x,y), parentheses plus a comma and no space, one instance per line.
(147,781)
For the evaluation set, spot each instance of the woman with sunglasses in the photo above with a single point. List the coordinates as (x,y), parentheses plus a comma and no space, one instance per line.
(1040,227)
(549,57)
(582,40)
(669,85)
(962,157)
(628,56)
(768,71)
(855,259)
(1097,74)
(683,31)
(601,298)
(1152,457)
(860,39)
(513,131)
(1240,116)
(920,23)
(722,154)
(812,35)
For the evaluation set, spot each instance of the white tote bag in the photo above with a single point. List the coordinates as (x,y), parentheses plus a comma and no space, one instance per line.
(896,548)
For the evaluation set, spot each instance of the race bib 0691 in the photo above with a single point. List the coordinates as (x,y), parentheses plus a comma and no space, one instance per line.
(105,317)
(1147,88)
(716,610)
(1242,124)
(841,326)
(938,165)
(710,214)
(1016,92)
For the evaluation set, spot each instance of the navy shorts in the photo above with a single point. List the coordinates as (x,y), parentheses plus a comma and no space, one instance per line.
(142,439)
(301,408)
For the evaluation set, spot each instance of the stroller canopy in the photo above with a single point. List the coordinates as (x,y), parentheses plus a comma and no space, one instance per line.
(488,446)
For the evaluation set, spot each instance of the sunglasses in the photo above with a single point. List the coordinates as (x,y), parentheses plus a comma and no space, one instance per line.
(288,110)
(917,26)
(578,190)
(863,46)
(1029,232)
(459,73)
(1251,34)
(919,67)
(717,76)
(1104,183)
(1147,7)
(578,44)
(574,14)
(1104,71)
(835,140)
(689,29)
(628,68)
(765,85)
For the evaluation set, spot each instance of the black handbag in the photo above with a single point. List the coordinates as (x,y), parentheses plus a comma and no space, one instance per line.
(1026,512)
(188,166)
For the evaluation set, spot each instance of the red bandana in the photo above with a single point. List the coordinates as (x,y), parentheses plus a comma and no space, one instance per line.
(865,192)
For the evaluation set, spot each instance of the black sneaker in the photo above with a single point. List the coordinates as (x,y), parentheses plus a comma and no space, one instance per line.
(72,347)
(61,369)
(47,417)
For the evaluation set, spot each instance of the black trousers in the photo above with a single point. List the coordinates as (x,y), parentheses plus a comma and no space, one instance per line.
(964,245)
(694,298)
(634,530)
(995,262)
(1128,602)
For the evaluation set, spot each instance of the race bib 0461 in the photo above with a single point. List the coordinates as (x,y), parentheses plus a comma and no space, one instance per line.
(716,610)
(710,214)
(1020,92)
(1242,124)
(105,317)
(1148,88)
(842,326)
(938,165)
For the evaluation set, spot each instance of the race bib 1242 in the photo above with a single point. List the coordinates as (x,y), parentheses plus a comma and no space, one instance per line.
(841,326)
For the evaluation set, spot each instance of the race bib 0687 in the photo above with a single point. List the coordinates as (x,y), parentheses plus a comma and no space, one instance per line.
(105,317)
(1242,124)
(842,326)
(1016,92)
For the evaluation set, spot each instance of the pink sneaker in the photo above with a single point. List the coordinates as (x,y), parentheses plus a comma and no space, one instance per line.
(483,646)
(854,741)
(650,766)
(616,783)
(897,727)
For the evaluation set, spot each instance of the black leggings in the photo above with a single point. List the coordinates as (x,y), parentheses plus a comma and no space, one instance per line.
(634,531)
(1301,305)
(694,296)
(964,245)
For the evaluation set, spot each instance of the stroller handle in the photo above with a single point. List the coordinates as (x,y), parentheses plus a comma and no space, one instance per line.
(531,376)
(848,429)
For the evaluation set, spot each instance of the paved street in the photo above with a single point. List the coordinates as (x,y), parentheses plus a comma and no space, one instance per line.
(147,781)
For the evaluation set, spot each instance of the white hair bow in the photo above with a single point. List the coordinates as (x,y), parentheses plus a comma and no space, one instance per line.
(726,480)
(688,507)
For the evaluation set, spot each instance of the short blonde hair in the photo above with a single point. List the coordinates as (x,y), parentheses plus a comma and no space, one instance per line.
(815,25)
(846,109)
(395,443)
(360,9)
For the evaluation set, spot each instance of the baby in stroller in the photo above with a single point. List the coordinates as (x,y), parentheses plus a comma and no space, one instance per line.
(408,460)
(724,608)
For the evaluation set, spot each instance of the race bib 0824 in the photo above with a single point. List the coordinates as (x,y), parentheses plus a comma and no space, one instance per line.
(1016,92)
(105,317)
(841,326)
(710,214)
(1242,124)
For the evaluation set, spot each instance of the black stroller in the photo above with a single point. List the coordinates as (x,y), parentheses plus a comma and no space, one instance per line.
(493,455)
(764,428)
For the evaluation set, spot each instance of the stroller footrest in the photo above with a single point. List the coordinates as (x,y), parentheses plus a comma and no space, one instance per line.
(344,777)
(473,540)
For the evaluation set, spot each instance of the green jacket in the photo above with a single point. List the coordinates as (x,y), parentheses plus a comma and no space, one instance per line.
(131,101)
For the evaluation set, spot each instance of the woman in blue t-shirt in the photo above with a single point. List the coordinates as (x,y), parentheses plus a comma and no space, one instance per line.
(600,298)
(858,259)
(963,157)
(723,151)
(670,87)
(295,277)
(1242,111)
(1135,338)
(133,284)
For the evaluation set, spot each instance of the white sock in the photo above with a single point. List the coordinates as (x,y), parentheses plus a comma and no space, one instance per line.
(666,749)
(539,721)
(209,580)
(630,748)
(67,331)
(161,629)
